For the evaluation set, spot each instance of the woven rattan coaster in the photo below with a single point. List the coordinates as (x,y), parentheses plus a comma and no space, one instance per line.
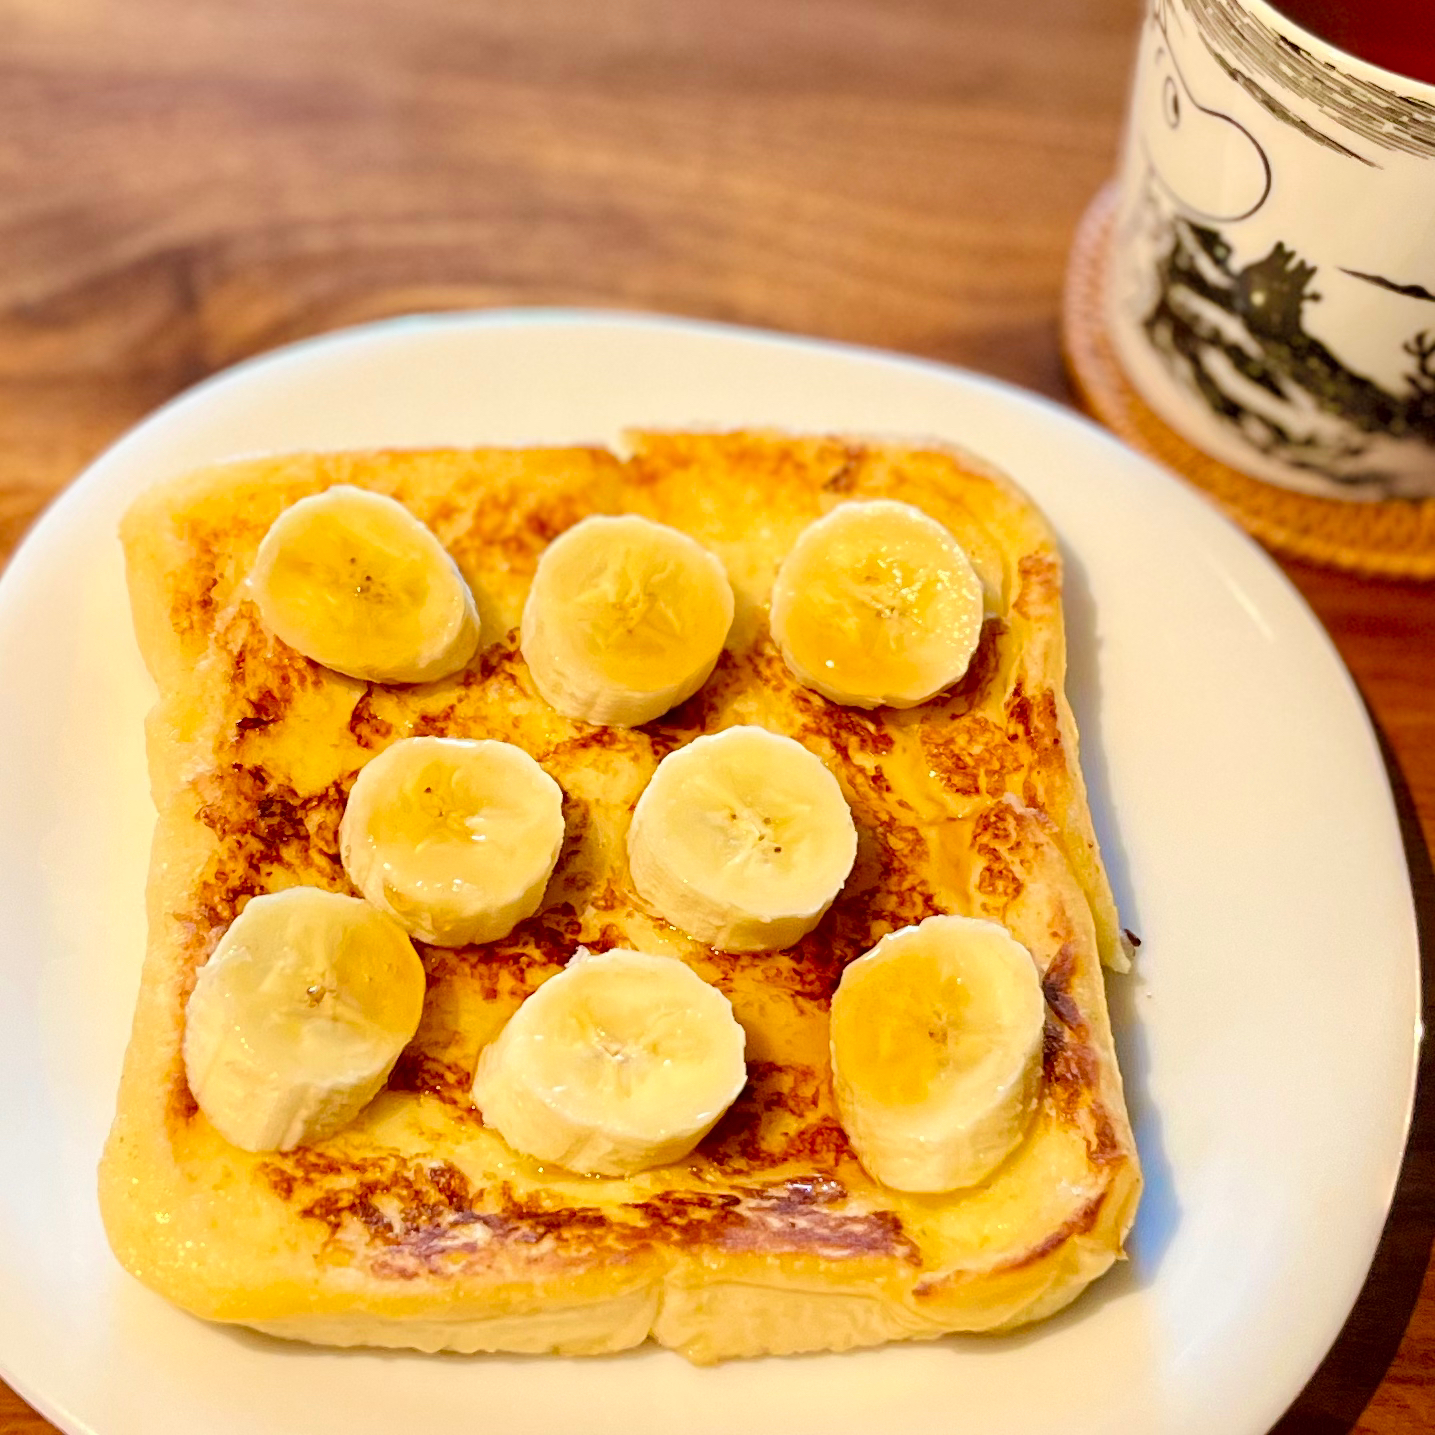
(1391,539)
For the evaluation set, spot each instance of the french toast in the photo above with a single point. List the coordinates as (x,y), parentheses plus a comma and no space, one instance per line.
(416,1225)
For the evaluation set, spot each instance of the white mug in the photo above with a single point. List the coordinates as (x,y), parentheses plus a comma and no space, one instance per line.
(1271,292)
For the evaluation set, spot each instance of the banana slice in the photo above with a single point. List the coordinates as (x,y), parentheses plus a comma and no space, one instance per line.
(877,605)
(742,839)
(936,1052)
(454,838)
(625,620)
(298,1017)
(620,1062)
(354,581)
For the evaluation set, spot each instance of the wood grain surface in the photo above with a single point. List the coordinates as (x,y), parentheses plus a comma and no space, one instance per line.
(184,183)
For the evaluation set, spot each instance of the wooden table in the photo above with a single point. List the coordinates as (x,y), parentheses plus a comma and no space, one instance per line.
(186,182)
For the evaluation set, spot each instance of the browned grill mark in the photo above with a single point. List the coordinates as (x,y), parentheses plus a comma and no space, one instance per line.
(387,1198)
(1082,1221)
(191,596)
(1055,987)
(437,724)
(415,1218)
(1104,1147)
(590,739)
(1072,1070)
(265,709)
(266,675)
(1071,1065)
(512,522)
(1079,1224)
(1032,722)
(368,728)
(262,826)
(1039,590)
(542,526)
(893,895)
(218,900)
(422,1074)
(996,839)
(784,1117)
(1068,1063)
(515,964)
(579,866)
(971,756)
(192,612)
(844,478)
(777,1220)
(181,1108)
(975,685)
(846,729)
(690,719)
(501,654)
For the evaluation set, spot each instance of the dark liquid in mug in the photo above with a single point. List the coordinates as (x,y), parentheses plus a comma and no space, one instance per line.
(1397,35)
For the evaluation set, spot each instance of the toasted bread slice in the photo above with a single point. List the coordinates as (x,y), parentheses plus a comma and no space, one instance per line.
(416,1226)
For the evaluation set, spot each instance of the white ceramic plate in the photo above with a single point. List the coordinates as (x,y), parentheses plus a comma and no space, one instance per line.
(1268,1039)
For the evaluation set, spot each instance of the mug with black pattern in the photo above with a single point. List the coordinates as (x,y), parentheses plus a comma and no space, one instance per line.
(1271,292)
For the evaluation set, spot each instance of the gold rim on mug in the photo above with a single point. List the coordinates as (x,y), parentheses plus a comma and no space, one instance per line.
(1389,538)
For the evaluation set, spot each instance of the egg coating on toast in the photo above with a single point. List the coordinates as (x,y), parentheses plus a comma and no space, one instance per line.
(415,1225)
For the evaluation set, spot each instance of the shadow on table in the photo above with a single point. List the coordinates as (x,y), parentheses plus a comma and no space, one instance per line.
(1348,1377)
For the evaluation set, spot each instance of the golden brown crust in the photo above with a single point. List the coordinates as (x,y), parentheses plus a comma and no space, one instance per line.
(972,803)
